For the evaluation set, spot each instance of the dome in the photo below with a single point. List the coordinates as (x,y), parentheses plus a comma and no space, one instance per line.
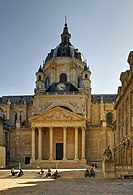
(65,48)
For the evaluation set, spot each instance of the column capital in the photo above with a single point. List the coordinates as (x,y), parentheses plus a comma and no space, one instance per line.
(64,128)
(76,127)
(83,128)
(39,128)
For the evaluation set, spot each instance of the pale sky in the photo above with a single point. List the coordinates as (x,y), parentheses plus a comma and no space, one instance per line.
(102,30)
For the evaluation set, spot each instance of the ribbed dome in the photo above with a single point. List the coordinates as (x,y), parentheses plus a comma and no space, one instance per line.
(65,48)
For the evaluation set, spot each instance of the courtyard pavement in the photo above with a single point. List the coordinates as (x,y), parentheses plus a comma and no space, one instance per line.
(66,186)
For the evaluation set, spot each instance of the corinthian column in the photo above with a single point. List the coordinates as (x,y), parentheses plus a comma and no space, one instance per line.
(40,143)
(33,143)
(64,142)
(83,142)
(76,143)
(51,144)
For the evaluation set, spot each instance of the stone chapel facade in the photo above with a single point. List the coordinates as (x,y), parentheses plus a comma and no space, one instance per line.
(62,123)
(123,127)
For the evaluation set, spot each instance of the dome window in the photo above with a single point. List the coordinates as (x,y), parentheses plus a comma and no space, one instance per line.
(47,83)
(39,77)
(79,82)
(63,77)
(86,76)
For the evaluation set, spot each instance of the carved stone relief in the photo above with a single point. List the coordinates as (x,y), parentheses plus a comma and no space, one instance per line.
(79,106)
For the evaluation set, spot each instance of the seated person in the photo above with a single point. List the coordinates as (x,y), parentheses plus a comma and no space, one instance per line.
(48,174)
(13,172)
(55,175)
(87,173)
(41,172)
(20,173)
(92,173)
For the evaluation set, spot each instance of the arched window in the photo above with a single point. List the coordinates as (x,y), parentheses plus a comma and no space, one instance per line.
(15,119)
(86,76)
(47,83)
(63,77)
(79,82)
(39,77)
(109,118)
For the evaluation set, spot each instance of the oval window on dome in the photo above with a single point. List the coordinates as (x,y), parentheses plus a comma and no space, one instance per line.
(63,77)
(47,83)
(79,82)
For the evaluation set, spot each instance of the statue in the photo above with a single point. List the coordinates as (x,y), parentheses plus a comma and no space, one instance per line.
(18,116)
(107,154)
(130,58)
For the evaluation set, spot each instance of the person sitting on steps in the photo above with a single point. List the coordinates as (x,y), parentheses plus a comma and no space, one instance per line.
(20,173)
(48,174)
(92,172)
(13,172)
(87,173)
(55,175)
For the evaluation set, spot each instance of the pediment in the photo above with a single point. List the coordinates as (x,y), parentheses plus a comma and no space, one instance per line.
(57,114)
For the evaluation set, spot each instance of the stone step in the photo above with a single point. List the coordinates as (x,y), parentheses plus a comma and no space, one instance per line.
(57,165)
(65,173)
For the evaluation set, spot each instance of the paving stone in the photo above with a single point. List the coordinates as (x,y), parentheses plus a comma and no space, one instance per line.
(66,186)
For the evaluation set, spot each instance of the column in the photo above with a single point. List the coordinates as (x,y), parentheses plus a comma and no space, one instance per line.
(33,143)
(51,144)
(76,143)
(64,143)
(83,142)
(40,143)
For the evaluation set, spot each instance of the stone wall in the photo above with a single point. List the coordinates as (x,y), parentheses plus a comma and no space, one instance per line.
(20,145)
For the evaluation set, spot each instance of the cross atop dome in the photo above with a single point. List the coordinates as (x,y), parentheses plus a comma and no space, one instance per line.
(65,36)
(65,20)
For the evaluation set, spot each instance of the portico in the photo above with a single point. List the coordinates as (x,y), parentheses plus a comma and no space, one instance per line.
(58,134)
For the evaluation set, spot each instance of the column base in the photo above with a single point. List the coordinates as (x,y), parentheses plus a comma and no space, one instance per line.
(39,159)
(83,160)
(76,159)
(32,160)
(64,159)
(50,159)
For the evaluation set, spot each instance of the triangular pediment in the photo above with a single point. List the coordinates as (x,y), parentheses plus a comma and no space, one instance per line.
(56,114)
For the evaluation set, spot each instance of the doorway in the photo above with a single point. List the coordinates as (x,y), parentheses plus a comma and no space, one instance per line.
(27,160)
(59,151)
